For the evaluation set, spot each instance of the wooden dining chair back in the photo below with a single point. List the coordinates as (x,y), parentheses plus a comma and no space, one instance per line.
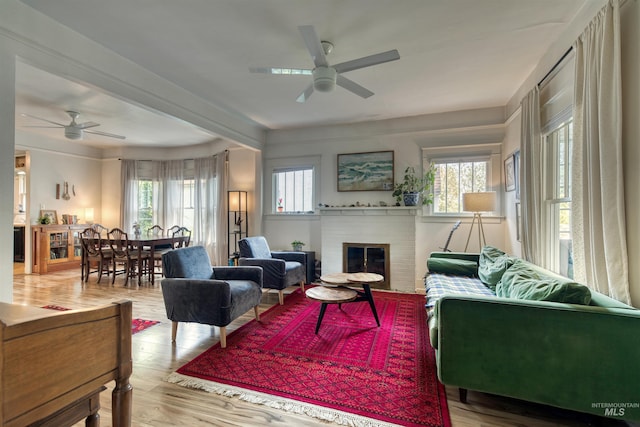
(172,230)
(181,237)
(93,253)
(123,254)
(100,229)
(155,231)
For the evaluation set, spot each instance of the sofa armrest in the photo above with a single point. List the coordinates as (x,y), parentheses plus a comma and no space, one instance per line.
(456,255)
(565,355)
(290,256)
(251,273)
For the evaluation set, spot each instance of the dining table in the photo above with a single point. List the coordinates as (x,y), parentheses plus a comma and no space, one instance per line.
(149,243)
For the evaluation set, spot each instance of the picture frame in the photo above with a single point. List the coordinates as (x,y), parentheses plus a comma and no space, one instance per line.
(509,174)
(368,171)
(51,214)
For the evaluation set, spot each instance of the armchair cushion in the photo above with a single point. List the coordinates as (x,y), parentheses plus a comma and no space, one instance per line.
(191,262)
(254,247)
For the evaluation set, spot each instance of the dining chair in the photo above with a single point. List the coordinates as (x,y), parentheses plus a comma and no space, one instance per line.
(156,265)
(185,234)
(100,229)
(172,230)
(133,262)
(93,252)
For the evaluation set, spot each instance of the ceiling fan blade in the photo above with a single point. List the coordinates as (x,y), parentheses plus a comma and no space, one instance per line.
(306,94)
(44,120)
(367,61)
(313,45)
(87,125)
(352,86)
(111,135)
(281,71)
(44,127)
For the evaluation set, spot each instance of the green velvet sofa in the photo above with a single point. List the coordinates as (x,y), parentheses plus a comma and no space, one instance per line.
(579,356)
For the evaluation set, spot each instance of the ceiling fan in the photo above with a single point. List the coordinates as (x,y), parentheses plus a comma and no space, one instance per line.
(74,130)
(325,76)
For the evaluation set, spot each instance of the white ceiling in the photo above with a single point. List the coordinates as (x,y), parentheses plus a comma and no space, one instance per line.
(455,55)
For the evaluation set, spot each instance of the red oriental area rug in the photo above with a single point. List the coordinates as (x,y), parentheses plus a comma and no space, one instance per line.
(137,325)
(351,372)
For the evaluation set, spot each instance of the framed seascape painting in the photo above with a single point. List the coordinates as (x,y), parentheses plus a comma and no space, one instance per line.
(371,171)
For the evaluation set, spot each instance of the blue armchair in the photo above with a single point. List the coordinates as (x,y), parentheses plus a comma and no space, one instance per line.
(194,291)
(280,269)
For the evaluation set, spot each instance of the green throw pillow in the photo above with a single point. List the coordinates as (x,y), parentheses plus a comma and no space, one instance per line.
(522,282)
(456,267)
(493,264)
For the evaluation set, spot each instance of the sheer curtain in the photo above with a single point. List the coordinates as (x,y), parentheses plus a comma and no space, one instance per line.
(531,179)
(598,215)
(206,207)
(129,178)
(168,197)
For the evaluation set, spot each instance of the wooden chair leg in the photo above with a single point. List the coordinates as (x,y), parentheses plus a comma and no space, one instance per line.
(281,296)
(174,331)
(302,286)
(223,336)
(255,310)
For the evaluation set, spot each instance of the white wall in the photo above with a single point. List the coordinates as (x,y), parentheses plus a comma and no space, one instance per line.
(407,137)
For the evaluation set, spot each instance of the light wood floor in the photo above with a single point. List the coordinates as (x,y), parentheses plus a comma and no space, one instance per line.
(158,403)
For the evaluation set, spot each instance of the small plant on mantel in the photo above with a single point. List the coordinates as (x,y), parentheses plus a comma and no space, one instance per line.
(297,245)
(414,187)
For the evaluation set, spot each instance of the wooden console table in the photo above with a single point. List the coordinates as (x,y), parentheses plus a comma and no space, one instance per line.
(55,364)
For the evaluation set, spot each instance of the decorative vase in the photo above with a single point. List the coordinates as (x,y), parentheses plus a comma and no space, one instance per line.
(411,199)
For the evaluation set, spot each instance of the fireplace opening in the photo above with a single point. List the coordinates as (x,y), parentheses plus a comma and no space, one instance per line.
(369,258)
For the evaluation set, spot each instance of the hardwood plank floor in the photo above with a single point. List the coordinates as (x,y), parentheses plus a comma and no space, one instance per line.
(158,403)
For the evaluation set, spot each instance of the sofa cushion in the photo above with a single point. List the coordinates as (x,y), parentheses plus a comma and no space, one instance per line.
(522,282)
(456,267)
(493,264)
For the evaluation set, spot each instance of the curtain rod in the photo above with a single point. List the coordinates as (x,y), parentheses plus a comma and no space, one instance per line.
(555,66)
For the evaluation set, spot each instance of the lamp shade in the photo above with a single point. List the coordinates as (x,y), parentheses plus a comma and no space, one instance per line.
(479,202)
(88,215)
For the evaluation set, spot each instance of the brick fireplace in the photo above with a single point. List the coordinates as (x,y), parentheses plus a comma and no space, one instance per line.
(394,227)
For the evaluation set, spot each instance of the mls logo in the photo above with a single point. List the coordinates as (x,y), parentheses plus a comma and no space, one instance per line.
(614,412)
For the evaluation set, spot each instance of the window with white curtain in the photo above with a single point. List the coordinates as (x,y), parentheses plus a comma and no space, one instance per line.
(558,145)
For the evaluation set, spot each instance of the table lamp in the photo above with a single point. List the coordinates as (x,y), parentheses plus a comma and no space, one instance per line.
(477,203)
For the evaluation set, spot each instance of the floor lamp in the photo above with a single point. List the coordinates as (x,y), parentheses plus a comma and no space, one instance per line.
(477,203)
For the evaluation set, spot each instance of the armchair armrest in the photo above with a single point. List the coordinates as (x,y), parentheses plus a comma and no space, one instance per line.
(238,273)
(269,265)
(290,256)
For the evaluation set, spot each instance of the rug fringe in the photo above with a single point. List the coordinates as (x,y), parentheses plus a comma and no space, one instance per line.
(276,402)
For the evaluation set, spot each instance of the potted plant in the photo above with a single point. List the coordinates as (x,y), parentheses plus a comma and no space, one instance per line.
(297,245)
(414,187)
(280,207)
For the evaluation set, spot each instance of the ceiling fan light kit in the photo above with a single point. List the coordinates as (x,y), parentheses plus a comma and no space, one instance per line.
(325,76)
(324,79)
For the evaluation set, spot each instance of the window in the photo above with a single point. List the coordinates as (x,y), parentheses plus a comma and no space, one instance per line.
(558,198)
(293,190)
(456,177)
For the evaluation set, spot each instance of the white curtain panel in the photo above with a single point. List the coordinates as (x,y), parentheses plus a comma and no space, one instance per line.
(129,183)
(168,197)
(531,179)
(205,207)
(598,215)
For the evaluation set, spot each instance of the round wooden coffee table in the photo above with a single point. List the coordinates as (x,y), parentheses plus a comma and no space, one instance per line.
(337,288)
(327,295)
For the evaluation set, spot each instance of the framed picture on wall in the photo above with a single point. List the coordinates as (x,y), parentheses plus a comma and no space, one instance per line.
(372,171)
(509,174)
(516,168)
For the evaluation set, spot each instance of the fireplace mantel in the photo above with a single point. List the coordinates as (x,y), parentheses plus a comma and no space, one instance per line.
(374,210)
